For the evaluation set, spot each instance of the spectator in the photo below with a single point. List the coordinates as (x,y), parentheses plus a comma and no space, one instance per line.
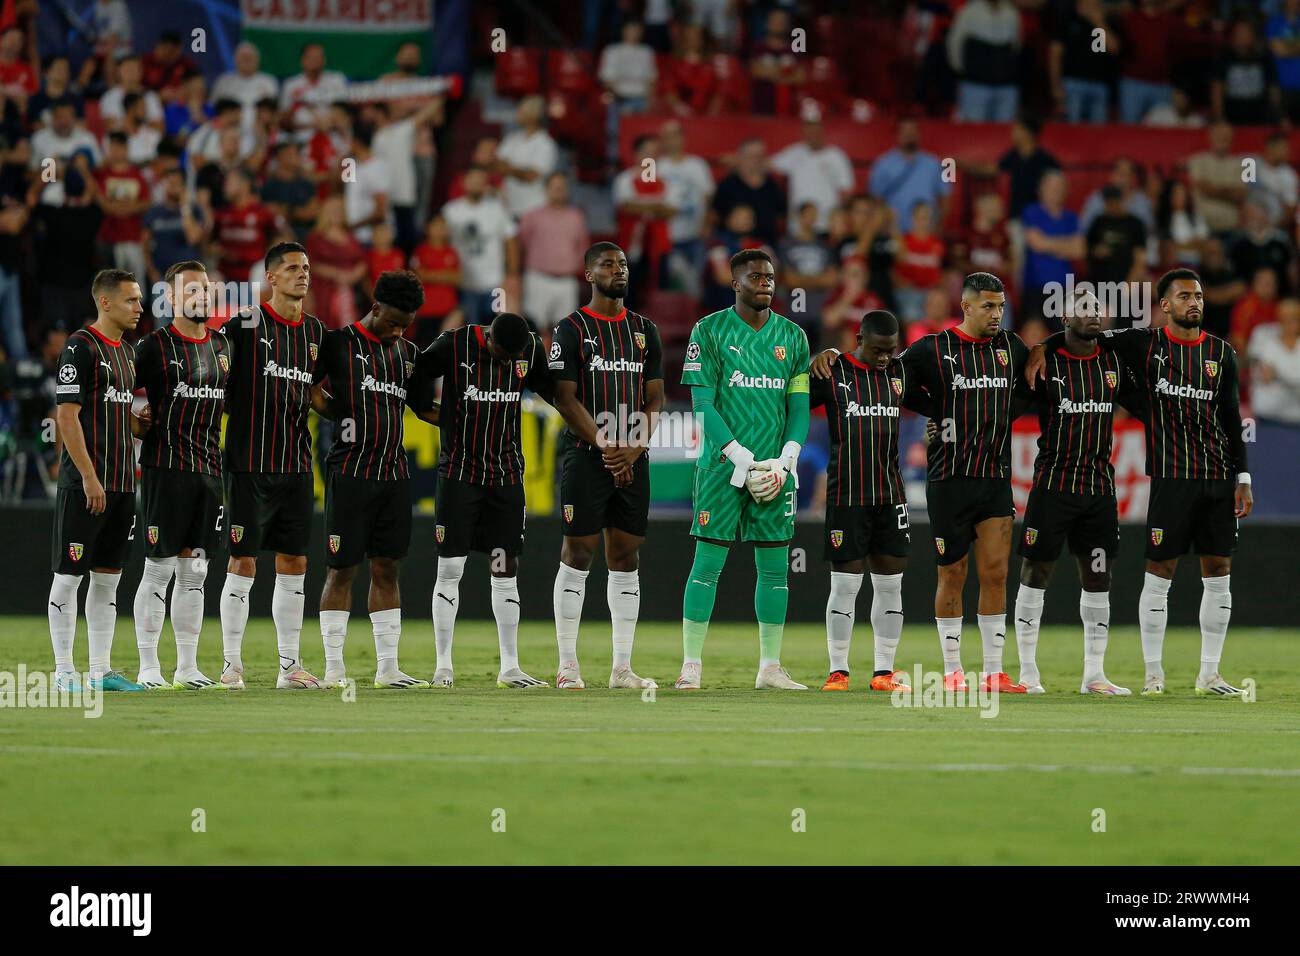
(691,87)
(1117,242)
(485,239)
(485,155)
(920,264)
(1275,367)
(210,183)
(34,393)
(1081,75)
(816,172)
(691,181)
(1261,245)
(750,184)
(436,263)
(847,303)
(190,110)
(644,206)
(553,239)
(57,85)
(288,192)
(627,70)
(985,247)
(738,232)
(13,226)
(718,20)
(1215,175)
(907,175)
(59,141)
(338,263)
(65,248)
(1258,307)
(17,78)
(1052,241)
(246,84)
(243,228)
(1275,180)
(130,79)
(407,60)
(1025,163)
(874,234)
(658,13)
(166,68)
(365,195)
(1244,91)
(983,49)
(307,97)
(205,144)
(111,23)
(395,140)
(173,230)
(142,139)
(123,194)
(1179,221)
(1222,285)
(1124,177)
(328,145)
(776,70)
(1177,113)
(525,158)
(807,263)
(938,316)
(1283,33)
(1150,33)
(166,160)
(383,256)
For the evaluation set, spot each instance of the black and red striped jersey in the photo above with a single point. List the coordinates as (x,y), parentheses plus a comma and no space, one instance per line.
(185,382)
(99,375)
(268,393)
(1076,416)
(863,405)
(1190,390)
(481,395)
(610,360)
(370,384)
(971,383)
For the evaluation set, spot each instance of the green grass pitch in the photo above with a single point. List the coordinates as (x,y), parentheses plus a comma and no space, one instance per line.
(421,777)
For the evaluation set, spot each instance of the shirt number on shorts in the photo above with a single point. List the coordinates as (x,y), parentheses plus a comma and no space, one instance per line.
(221,513)
(902,517)
(131,534)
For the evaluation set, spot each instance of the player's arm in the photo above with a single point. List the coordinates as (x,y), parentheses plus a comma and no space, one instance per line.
(916,392)
(620,459)
(539,378)
(565,363)
(1022,396)
(430,365)
(1229,412)
(700,372)
(819,392)
(1129,344)
(75,369)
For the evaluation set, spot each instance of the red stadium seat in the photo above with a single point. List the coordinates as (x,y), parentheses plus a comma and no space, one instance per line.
(572,72)
(519,72)
(825,86)
(734,80)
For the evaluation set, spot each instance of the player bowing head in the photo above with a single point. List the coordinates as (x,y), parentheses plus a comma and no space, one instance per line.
(509,336)
(878,338)
(398,296)
(983,299)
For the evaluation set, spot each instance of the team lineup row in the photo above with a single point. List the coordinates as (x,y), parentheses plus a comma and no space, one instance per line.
(753,385)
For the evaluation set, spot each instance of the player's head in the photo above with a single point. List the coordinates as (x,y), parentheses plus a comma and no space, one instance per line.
(118,300)
(1084,320)
(877,338)
(605,265)
(287,270)
(398,296)
(1180,297)
(754,278)
(509,335)
(983,297)
(187,283)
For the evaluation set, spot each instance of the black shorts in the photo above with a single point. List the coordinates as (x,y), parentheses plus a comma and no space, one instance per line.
(486,518)
(1090,523)
(957,505)
(590,501)
(182,509)
(269,512)
(855,531)
(365,518)
(1183,513)
(82,541)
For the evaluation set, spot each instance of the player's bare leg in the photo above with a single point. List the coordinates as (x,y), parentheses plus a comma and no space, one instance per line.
(1153,618)
(947,618)
(570,591)
(1034,578)
(623,592)
(505,608)
(287,603)
(992,548)
(1216,610)
(187,620)
(335,609)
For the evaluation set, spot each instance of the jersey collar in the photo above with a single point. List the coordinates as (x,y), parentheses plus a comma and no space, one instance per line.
(853,360)
(181,335)
(1079,358)
(1196,341)
(278,317)
(606,318)
(366,332)
(970,338)
(100,335)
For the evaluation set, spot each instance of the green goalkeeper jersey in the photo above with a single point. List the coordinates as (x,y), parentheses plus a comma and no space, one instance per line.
(751,373)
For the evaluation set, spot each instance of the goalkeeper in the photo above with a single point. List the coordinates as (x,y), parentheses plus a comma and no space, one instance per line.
(748,372)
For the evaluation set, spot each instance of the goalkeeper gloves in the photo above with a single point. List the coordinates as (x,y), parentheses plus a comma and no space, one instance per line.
(790,460)
(742,458)
(764,481)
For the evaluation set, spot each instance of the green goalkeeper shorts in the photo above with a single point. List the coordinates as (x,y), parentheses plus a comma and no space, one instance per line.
(720,508)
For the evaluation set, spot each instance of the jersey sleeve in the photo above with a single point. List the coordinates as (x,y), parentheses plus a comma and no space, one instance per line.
(1130,344)
(565,358)
(439,356)
(76,366)
(148,365)
(419,386)
(798,383)
(324,358)
(701,364)
(654,353)
(819,391)
(915,397)
(539,378)
(1230,411)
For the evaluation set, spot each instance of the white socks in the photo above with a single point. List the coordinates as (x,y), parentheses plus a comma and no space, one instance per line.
(187,611)
(446,602)
(387,628)
(1153,617)
(1094,611)
(623,592)
(1029,616)
(570,590)
(1216,609)
(505,608)
(993,635)
(950,642)
(886,617)
(101,619)
(151,608)
(840,609)
(62,611)
(333,634)
(287,603)
(234,617)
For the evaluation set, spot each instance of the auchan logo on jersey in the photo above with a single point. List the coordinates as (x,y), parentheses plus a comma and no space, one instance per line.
(476,394)
(1068,407)
(983,381)
(276,370)
(370,384)
(854,410)
(1163,387)
(740,380)
(201,392)
(119,395)
(600,364)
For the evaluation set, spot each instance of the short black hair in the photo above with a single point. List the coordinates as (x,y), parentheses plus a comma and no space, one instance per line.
(170,36)
(1172,276)
(364,134)
(117,136)
(982,282)
(401,289)
(641,141)
(106,280)
(511,332)
(748,255)
(879,322)
(275,255)
(227,105)
(594,252)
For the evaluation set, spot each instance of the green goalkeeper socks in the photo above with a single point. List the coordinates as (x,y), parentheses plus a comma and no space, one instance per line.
(697,602)
(771,598)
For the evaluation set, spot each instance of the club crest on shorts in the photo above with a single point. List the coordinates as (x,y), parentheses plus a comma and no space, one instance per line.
(152,534)
(236,533)
(75,550)
(837,538)
(639,338)
(897,383)
(224,361)
(1031,535)
(703,520)
(568,514)
(1003,356)
(312,348)
(1112,379)
(938,545)
(439,532)
(779,351)
(521,368)
(1211,368)
(1157,535)
(334,543)
(692,351)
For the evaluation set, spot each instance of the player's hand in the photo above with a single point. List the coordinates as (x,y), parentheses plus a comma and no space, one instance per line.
(621,458)
(742,458)
(1244,500)
(95,497)
(931,431)
(1036,366)
(145,418)
(764,480)
(821,365)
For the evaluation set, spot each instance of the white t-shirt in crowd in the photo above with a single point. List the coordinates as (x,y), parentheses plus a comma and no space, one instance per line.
(692,184)
(246,91)
(530,151)
(1280,185)
(817,176)
(1278,400)
(479,231)
(629,70)
(331,86)
(395,144)
(359,197)
(111,109)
